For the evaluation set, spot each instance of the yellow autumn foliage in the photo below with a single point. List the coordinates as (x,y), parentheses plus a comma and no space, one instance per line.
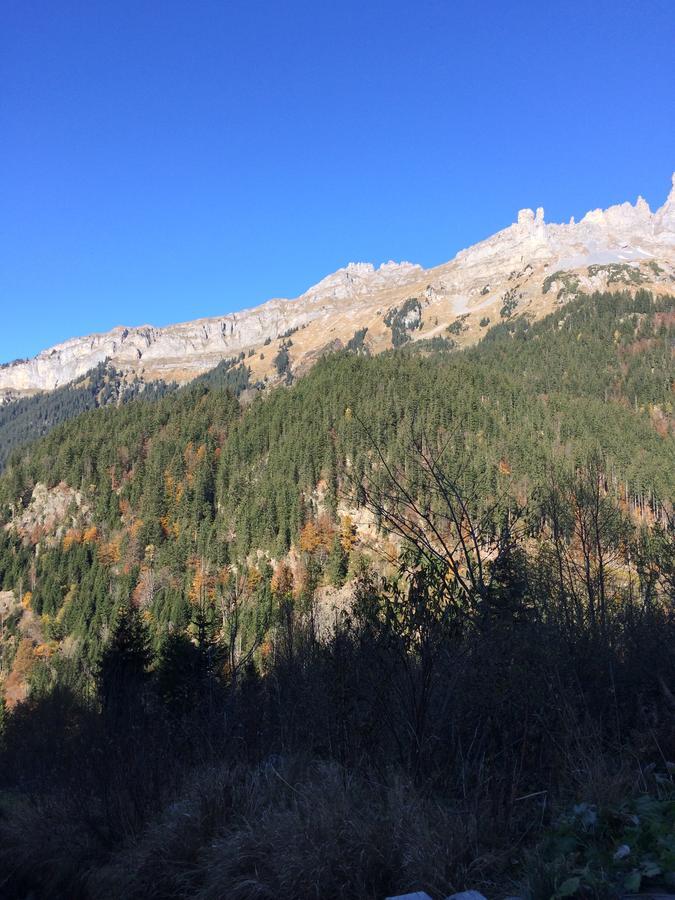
(90,536)
(347,534)
(73,536)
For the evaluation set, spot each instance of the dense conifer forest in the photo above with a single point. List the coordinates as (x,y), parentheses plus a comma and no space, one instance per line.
(183,701)
(24,420)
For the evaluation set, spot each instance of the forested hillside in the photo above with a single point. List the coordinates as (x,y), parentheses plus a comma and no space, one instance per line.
(24,420)
(196,478)
(503,518)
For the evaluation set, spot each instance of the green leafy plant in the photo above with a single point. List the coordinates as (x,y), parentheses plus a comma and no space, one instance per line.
(606,852)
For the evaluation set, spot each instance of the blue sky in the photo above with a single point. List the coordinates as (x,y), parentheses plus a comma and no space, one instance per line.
(161,161)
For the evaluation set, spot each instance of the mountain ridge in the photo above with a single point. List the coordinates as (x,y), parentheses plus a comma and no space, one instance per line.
(509,273)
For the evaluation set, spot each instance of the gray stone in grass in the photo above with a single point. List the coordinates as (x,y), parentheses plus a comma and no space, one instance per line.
(466,895)
(418,895)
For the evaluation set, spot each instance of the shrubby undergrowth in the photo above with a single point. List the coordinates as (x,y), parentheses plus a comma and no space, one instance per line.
(194,728)
(419,746)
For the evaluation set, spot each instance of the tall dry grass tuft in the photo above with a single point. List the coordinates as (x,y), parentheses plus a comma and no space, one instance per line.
(290,830)
(46,842)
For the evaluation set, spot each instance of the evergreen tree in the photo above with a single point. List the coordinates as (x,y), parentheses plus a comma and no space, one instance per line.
(179,672)
(124,663)
(337,564)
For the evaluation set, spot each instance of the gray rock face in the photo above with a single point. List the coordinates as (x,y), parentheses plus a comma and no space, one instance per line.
(621,233)
(185,350)
(50,511)
(355,297)
(8,603)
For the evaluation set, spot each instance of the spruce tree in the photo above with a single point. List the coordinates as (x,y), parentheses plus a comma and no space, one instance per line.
(124,663)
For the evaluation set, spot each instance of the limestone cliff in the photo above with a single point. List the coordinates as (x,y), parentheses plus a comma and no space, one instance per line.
(525,269)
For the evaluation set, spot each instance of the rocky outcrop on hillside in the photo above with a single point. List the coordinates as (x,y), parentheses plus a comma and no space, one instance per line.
(508,274)
(49,513)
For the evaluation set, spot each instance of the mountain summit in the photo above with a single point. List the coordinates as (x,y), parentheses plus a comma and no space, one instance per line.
(525,269)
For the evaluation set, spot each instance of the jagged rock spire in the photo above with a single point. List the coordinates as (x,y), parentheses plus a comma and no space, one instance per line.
(664,218)
(357,297)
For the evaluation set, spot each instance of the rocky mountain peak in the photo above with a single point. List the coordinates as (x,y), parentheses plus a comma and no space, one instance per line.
(514,263)
(664,218)
(359,278)
(528,218)
(618,233)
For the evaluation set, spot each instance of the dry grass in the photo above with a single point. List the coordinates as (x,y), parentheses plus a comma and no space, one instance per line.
(287,831)
(44,843)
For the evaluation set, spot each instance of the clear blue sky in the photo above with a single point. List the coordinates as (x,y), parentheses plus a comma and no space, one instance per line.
(165,160)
